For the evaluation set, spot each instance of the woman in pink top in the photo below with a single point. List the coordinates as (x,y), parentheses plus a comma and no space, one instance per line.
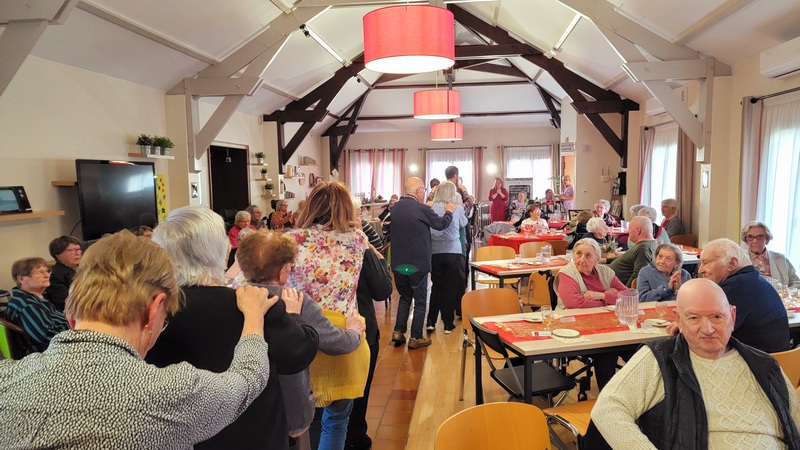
(583,283)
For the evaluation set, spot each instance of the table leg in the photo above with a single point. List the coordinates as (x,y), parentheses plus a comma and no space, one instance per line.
(473,277)
(527,383)
(478,375)
(501,281)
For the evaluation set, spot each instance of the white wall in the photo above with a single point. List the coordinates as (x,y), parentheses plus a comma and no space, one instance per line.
(489,138)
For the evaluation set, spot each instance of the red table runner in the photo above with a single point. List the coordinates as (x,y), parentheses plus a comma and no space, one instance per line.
(602,322)
(495,270)
(515,240)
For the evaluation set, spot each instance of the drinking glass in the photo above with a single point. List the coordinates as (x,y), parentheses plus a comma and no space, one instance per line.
(548,316)
(517,258)
(547,252)
(628,306)
(569,255)
(661,309)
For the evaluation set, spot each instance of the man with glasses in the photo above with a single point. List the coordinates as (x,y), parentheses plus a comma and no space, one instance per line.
(28,308)
(760,314)
(412,221)
(66,250)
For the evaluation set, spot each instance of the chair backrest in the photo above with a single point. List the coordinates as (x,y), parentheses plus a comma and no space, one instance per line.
(573,214)
(538,290)
(531,249)
(488,302)
(488,338)
(790,363)
(634,283)
(505,425)
(493,252)
(684,239)
(559,247)
(10,336)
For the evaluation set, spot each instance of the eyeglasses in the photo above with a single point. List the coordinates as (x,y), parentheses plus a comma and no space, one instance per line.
(166,322)
(750,237)
(41,272)
(74,250)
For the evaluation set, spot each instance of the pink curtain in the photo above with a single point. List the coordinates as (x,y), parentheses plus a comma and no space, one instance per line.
(375,171)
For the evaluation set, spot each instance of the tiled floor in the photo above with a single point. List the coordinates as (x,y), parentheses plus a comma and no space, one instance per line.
(394,387)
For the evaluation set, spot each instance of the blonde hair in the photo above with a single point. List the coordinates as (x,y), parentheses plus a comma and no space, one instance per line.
(117,279)
(262,256)
(329,204)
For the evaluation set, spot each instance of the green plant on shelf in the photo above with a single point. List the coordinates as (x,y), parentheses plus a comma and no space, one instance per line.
(268,186)
(144,139)
(264,173)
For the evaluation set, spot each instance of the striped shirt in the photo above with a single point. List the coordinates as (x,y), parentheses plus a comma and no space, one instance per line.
(37,317)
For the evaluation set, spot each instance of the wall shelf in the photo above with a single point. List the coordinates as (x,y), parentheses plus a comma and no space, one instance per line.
(308,165)
(143,155)
(30,215)
(64,183)
(263,179)
(260,165)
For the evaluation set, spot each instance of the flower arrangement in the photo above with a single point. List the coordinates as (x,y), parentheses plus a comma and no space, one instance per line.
(610,247)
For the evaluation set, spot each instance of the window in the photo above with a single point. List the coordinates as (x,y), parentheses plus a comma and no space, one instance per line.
(660,164)
(778,202)
(437,160)
(375,172)
(530,162)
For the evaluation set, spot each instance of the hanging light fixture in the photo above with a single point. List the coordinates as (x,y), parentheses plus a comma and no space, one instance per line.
(447,131)
(409,39)
(437,104)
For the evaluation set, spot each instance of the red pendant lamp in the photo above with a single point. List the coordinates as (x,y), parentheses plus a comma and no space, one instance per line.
(437,104)
(409,39)
(447,131)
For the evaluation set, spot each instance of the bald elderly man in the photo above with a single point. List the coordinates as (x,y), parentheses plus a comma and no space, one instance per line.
(700,389)
(627,266)
(412,221)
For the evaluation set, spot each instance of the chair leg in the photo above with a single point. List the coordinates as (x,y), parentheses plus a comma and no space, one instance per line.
(464,346)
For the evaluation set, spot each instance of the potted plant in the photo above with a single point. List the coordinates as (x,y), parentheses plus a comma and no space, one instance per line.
(263,172)
(269,188)
(145,143)
(158,144)
(166,145)
(260,157)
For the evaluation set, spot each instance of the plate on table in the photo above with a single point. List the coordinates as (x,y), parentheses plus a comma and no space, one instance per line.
(690,252)
(611,307)
(657,322)
(566,333)
(533,317)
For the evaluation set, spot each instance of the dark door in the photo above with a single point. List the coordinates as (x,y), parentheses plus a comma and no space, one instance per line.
(230,185)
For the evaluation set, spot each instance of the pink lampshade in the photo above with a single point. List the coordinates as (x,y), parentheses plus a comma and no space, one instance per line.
(447,131)
(409,39)
(437,104)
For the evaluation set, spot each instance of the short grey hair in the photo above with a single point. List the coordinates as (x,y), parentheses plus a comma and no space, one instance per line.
(729,250)
(244,232)
(671,202)
(594,223)
(241,215)
(589,242)
(675,249)
(603,202)
(756,224)
(446,193)
(636,208)
(649,211)
(195,240)
(644,223)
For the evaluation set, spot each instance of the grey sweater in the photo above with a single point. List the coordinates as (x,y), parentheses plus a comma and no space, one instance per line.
(296,389)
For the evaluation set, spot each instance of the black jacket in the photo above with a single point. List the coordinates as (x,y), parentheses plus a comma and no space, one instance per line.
(412,222)
(204,334)
(60,280)
(374,284)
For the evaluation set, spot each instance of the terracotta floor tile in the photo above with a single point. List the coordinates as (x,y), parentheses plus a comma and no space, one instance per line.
(396,418)
(386,444)
(403,395)
(400,405)
(375,412)
(392,432)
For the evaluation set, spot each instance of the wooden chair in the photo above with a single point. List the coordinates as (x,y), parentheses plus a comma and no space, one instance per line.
(507,426)
(538,294)
(545,379)
(478,303)
(790,363)
(531,249)
(559,247)
(491,253)
(634,283)
(575,417)
(684,239)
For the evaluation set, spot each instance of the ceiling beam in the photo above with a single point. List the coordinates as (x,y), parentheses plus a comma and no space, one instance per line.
(605,106)
(714,17)
(455,85)
(497,69)
(338,135)
(492,51)
(463,114)
(555,115)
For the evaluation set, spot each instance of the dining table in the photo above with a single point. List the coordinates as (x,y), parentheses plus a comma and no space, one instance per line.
(503,269)
(514,240)
(599,331)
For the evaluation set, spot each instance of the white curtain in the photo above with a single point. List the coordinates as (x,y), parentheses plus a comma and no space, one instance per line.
(375,172)
(534,162)
(438,159)
(779,173)
(660,178)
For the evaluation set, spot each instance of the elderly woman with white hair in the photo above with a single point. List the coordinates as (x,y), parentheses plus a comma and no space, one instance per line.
(91,388)
(756,235)
(204,333)
(601,208)
(661,280)
(659,233)
(448,264)
(597,230)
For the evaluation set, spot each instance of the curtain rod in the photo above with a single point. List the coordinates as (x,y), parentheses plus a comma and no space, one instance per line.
(659,124)
(788,91)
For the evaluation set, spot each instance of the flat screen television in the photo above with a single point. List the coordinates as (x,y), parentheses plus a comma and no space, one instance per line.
(114,195)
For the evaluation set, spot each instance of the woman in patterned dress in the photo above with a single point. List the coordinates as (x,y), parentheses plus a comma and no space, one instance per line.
(331,248)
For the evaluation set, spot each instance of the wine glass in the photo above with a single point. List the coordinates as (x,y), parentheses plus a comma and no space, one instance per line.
(548,317)
(661,309)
